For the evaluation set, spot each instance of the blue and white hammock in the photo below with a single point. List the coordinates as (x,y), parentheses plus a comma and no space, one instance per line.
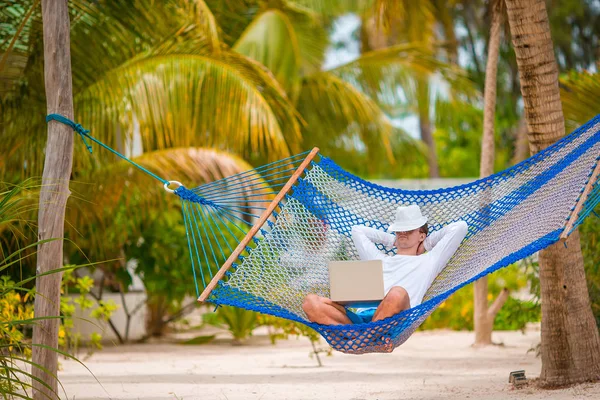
(279,225)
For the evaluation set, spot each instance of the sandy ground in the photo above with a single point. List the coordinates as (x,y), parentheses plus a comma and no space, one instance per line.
(430,365)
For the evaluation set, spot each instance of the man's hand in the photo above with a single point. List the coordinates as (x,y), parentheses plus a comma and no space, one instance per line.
(420,249)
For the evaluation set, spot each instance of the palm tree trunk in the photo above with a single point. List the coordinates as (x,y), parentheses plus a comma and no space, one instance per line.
(483,317)
(423,101)
(491,72)
(570,339)
(54,193)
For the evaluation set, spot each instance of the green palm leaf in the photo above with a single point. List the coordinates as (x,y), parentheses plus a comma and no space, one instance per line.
(229,103)
(290,41)
(13,50)
(312,36)
(119,31)
(271,40)
(207,23)
(409,20)
(18,206)
(389,75)
(342,118)
(126,30)
(580,96)
(16,24)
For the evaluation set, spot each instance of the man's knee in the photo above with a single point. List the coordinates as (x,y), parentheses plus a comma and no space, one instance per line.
(399,296)
(311,303)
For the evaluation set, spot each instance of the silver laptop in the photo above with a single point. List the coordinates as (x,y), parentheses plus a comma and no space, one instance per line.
(356,282)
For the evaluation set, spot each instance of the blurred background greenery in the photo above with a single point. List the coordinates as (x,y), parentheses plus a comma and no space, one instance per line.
(198,90)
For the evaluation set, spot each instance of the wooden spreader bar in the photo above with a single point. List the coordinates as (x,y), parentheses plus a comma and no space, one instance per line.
(581,202)
(261,221)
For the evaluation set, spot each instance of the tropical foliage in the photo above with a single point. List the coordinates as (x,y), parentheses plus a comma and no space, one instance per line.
(16,319)
(69,340)
(239,322)
(177,82)
(457,312)
(590,231)
(580,94)
(16,300)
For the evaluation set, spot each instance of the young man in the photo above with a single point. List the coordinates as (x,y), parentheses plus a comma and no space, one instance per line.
(406,276)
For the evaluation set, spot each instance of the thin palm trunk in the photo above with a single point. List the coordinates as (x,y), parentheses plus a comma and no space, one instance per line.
(570,339)
(54,194)
(425,127)
(484,316)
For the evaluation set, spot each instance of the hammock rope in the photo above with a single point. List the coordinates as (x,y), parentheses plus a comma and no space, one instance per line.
(262,239)
(84,133)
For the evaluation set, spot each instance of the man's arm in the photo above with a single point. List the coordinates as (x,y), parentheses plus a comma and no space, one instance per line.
(364,239)
(443,244)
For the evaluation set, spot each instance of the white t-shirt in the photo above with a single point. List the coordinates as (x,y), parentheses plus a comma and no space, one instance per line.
(414,273)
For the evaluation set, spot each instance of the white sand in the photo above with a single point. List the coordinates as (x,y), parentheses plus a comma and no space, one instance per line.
(430,365)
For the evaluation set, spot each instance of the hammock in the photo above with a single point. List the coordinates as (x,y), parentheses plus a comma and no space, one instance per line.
(261,240)
(511,215)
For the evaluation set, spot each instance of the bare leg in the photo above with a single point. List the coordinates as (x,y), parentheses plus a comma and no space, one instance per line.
(395,301)
(324,311)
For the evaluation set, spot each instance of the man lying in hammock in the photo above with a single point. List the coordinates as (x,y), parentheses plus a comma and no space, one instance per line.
(406,276)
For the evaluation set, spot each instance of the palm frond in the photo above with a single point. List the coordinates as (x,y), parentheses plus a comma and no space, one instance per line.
(229,103)
(226,101)
(407,20)
(385,12)
(387,75)
(234,16)
(197,33)
(12,56)
(18,204)
(580,96)
(207,22)
(312,37)
(341,117)
(123,31)
(271,40)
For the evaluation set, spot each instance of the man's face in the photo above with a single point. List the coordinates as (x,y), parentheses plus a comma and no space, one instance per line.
(409,239)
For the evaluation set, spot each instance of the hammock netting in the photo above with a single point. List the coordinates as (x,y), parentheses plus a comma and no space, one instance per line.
(511,215)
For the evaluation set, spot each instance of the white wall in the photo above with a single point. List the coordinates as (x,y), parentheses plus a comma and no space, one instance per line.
(85,325)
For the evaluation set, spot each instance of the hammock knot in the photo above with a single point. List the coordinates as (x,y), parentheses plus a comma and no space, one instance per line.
(75,126)
(80,129)
(189,195)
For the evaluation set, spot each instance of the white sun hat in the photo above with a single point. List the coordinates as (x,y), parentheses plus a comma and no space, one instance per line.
(407,219)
